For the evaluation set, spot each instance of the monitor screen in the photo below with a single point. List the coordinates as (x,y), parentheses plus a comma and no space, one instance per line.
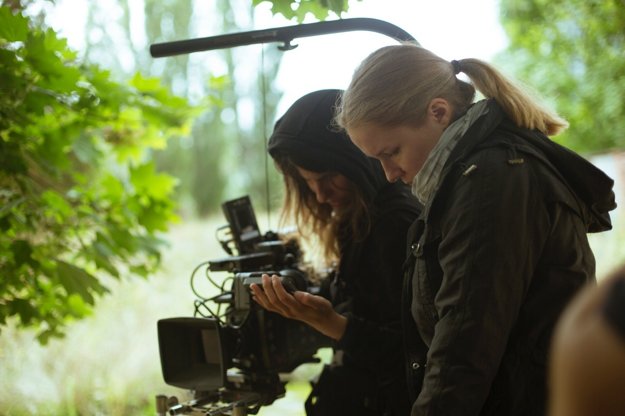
(242,220)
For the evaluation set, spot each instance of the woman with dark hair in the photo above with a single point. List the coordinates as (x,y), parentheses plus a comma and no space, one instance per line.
(340,198)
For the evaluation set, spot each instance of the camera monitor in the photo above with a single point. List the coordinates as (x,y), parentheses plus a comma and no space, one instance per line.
(191,353)
(242,220)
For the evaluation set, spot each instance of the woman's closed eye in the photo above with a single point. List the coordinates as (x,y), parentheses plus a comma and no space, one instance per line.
(324,177)
(387,154)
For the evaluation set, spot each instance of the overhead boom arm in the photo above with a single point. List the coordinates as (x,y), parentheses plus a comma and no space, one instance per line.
(282,34)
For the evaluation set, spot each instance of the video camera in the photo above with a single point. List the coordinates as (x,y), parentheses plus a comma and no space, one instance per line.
(232,361)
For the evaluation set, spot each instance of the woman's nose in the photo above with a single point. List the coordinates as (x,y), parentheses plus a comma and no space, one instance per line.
(391,171)
(321,192)
(322,195)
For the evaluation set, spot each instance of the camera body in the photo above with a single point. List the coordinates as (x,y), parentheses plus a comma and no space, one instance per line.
(235,357)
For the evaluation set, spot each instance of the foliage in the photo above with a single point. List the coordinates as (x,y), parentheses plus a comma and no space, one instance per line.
(237,100)
(79,202)
(298,9)
(572,50)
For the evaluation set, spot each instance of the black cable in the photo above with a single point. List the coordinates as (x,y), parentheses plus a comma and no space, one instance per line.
(266,139)
(223,284)
(191,280)
(223,242)
(202,304)
(239,326)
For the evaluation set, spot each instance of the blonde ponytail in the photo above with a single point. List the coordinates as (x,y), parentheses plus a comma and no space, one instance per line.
(395,84)
(517,102)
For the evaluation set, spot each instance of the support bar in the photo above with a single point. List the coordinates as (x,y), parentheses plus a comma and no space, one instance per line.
(282,34)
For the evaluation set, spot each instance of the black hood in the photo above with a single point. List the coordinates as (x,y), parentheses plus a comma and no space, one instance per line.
(590,184)
(307,135)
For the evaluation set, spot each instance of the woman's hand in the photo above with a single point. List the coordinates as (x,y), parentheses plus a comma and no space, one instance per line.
(316,311)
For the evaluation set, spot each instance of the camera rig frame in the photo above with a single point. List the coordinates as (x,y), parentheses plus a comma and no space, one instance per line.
(233,359)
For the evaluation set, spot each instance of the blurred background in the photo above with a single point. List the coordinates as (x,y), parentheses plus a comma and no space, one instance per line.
(69,350)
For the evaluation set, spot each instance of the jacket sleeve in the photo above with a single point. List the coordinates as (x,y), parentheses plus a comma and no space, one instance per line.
(492,232)
(373,337)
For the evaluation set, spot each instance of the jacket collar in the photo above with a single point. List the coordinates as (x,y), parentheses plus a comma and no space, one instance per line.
(590,184)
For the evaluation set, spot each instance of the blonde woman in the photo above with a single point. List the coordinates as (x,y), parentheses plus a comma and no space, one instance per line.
(501,246)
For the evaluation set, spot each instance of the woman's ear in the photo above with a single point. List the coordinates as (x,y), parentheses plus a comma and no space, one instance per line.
(440,110)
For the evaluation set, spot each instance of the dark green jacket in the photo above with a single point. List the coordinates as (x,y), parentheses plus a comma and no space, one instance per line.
(496,255)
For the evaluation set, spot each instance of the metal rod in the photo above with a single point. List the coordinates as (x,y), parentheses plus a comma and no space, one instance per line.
(281,34)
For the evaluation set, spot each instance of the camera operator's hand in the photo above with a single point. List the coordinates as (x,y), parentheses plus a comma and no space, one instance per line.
(315,311)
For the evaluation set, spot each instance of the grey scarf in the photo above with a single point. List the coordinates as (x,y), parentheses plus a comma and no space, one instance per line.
(426,182)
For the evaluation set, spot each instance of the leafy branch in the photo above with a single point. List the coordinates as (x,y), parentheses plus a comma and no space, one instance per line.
(80,200)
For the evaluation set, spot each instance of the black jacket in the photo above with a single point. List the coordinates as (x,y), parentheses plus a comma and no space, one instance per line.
(371,280)
(496,255)
(368,285)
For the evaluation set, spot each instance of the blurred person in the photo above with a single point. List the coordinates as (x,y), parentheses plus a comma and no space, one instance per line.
(587,366)
(501,246)
(340,197)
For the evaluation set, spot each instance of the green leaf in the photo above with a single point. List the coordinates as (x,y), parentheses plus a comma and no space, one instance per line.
(77,306)
(22,253)
(145,84)
(283,7)
(77,281)
(13,27)
(112,189)
(147,182)
(44,336)
(11,159)
(338,6)
(299,9)
(105,264)
(56,206)
(86,150)
(43,52)
(22,308)
(73,146)
(122,238)
(102,258)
